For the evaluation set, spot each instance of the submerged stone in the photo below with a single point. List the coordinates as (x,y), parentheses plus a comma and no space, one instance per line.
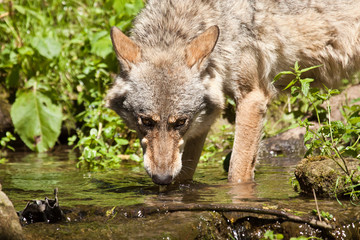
(326,177)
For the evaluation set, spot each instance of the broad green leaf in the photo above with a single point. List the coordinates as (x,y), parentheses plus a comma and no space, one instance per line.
(102,47)
(36,119)
(119,6)
(354,120)
(47,47)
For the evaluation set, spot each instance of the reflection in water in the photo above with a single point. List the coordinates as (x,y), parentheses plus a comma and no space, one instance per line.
(242,192)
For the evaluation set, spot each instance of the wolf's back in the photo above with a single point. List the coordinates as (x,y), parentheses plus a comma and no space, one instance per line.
(278,33)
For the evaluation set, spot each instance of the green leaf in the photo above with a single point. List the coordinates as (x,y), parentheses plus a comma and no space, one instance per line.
(291,83)
(296,66)
(36,119)
(28,11)
(109,132)
(119,6)
(102,47)
(278,76)
(89,153)
(47,47)
(333,92)
(305,85)
(310,68)
(26,51)
(355,100)
(135,158)
(12,80)
(308,135)
(354,120)
(121,141)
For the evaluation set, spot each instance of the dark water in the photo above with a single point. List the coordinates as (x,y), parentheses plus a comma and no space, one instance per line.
(98,203)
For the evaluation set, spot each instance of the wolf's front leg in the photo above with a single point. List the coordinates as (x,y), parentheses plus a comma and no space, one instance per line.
(190,157)
(250,111)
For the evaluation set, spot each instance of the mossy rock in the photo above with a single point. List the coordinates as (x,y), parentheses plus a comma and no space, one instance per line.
(325,176)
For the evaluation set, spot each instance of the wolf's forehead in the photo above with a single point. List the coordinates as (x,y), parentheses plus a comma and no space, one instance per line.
(166,98)
(163,78)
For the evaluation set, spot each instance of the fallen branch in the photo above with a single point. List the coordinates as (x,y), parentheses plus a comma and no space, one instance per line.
(227,208)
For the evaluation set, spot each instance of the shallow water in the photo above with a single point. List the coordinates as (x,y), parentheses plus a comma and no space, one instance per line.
(87,196)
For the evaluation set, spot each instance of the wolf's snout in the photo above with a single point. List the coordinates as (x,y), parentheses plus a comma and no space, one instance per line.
(162,179)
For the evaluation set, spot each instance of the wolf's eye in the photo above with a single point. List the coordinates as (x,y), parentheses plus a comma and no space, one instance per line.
(180,123)
(147,122)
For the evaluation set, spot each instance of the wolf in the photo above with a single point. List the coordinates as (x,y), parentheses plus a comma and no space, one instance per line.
(184,57)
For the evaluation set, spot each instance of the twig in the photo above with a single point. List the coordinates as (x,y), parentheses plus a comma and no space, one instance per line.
(316,204)
(100,130)
(226,208)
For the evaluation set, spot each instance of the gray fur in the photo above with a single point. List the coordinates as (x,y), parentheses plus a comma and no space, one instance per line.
(257,40)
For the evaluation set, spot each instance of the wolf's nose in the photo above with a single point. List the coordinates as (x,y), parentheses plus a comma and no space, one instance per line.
(162,179)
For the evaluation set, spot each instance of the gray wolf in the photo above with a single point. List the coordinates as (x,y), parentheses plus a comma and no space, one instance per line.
(183,57)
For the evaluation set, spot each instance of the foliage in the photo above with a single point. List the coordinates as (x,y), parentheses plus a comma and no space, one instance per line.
(107,142)
(270,235)
(36,119)
(333,139)
(56,57)
(325,215)
(218,142)
(4,143)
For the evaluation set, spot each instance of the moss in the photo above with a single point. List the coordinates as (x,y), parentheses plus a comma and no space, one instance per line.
(322,174)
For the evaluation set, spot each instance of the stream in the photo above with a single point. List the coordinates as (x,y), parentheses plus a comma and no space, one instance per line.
(125,204)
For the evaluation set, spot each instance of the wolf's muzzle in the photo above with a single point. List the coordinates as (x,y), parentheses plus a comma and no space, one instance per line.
(162,179)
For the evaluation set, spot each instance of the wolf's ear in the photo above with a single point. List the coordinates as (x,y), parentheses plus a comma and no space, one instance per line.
(201,47)
(126,50)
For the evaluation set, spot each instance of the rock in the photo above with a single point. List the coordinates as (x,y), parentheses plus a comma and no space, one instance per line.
(344,98)
(5,119)
(47,210)
(10,228)
(288,143)
(321,174)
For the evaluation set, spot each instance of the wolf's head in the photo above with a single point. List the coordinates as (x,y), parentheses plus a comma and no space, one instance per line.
(167,95)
